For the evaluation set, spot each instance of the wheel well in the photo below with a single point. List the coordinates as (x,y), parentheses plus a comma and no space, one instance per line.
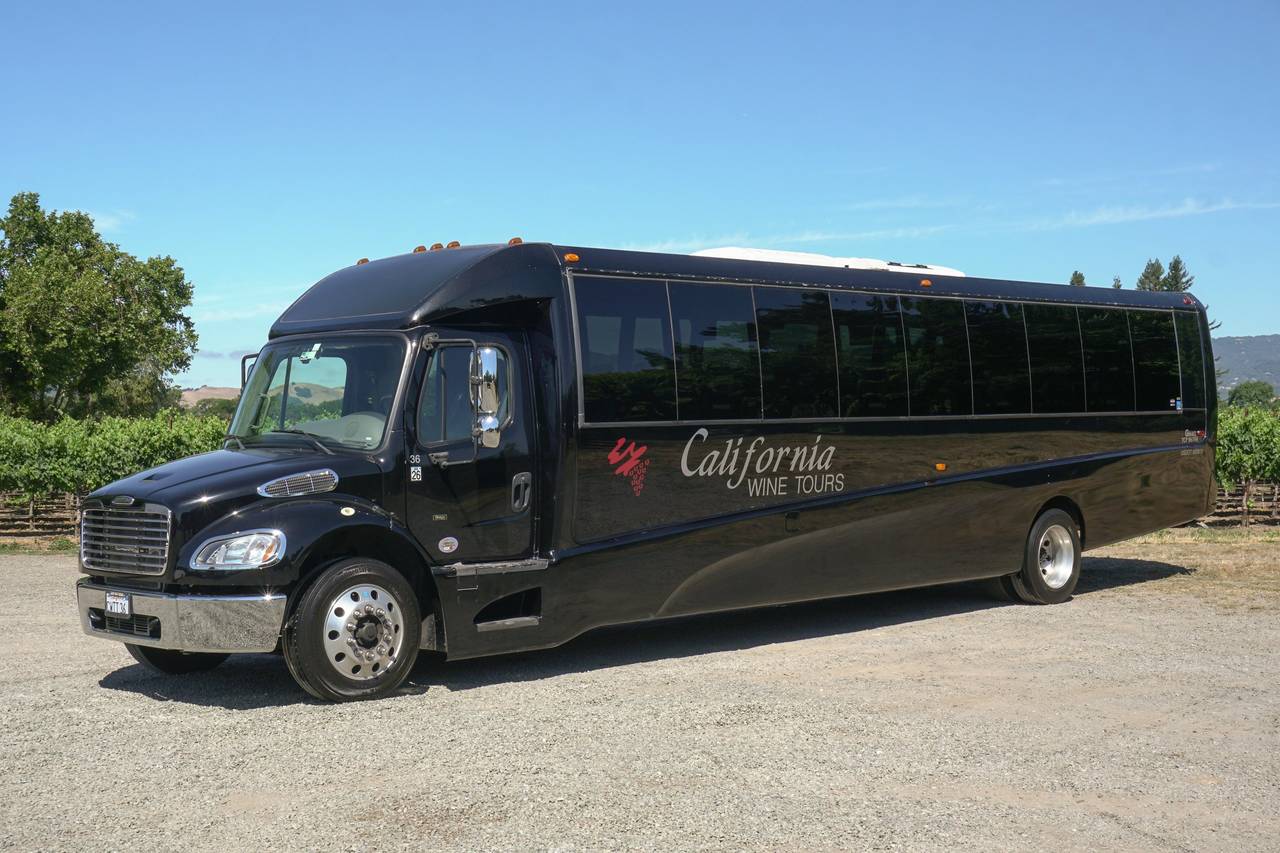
(1068,506)
(378,544)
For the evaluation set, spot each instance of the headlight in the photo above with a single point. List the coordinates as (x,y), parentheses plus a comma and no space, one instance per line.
(252,549)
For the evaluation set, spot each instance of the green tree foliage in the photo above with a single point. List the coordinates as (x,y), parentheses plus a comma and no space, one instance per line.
(1253,392)
(1177,278)
(1115,282)
(84,327)
(1248,449)
(80,455)
(1077,279)
(1152,275)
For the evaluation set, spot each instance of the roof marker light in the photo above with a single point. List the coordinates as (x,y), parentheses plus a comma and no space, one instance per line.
(514,241)
(571,257)
(924,282)
(362,261)
(435,247)
(417,249)
(452,244)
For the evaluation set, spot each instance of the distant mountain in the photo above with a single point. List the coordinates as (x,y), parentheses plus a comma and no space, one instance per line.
(191,396)
(1247,357)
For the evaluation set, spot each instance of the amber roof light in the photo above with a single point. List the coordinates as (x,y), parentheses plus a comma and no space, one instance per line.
(571,257)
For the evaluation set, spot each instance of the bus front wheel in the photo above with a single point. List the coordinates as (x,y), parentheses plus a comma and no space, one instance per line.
(1050,562)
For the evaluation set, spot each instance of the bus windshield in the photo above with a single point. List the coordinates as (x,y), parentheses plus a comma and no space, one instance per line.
(332,391)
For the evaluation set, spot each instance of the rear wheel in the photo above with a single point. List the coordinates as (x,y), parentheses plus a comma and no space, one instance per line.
(172,662)
(354,634)
(1051,561)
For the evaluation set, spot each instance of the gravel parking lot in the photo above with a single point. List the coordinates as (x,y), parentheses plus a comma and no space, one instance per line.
(1143,713)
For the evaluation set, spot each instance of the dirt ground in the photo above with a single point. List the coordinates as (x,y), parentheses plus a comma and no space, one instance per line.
(1144,713)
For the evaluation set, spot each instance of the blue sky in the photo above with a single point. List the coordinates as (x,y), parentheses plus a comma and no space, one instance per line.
(264,145)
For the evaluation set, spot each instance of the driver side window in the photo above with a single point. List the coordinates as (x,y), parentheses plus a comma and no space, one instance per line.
(445,412)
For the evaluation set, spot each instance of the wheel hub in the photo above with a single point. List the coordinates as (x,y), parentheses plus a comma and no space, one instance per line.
(363,632)
(1057,556)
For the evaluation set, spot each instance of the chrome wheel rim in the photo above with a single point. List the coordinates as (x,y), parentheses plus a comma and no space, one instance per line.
(363,632)
(1057,556)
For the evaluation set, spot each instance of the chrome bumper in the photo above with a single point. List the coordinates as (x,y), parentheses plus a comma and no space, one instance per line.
(188,623)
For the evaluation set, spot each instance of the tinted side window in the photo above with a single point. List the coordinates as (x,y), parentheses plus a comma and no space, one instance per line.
(797,355)
(1155,360)
(998,350)
(717,363)
(1191,357)
(1057,364)
(937,356)
(444,409)
(1108,361)
(625,332)
(873,359)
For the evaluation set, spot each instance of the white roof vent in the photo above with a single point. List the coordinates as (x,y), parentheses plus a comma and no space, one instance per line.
(812,259)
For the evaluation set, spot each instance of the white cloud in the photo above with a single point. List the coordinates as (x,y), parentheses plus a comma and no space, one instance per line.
(110,222)
(1139,213)
(241,311)
(1169,171)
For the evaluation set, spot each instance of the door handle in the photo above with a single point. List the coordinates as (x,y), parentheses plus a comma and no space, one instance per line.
(521,491)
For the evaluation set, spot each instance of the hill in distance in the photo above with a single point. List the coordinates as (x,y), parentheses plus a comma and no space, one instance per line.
(1247,357)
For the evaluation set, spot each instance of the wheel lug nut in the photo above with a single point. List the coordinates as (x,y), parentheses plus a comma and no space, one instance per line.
(382,614)
(368,608)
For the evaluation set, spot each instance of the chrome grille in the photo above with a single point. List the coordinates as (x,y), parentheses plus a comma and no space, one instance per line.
(306,483)
(131,541)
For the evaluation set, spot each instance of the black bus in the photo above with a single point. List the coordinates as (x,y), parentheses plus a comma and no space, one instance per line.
(482,449)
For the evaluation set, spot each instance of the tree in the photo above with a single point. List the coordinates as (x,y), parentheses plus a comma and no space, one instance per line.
(1077,279)
(1115,282)
(1177,279)
(84,327)
(1253,392)
(1152,275)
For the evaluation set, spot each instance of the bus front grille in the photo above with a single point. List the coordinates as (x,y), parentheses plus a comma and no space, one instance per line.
(126,541)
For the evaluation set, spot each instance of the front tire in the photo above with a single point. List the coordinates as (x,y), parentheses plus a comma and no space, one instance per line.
(1051,561)
(355,632)
(170,662)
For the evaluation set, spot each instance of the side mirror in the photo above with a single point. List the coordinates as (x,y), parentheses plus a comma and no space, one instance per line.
(246,365)
(486,399)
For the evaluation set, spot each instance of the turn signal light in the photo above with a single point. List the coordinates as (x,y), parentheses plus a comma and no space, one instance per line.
(571,257)
(939,466)
(362,261)
(452,244)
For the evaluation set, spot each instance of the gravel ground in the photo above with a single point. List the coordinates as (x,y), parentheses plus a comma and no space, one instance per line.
(1140,714)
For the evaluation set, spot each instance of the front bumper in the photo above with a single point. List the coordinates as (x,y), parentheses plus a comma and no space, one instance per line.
(188,623)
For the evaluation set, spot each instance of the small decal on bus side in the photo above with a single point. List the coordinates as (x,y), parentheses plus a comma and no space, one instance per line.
(629,463)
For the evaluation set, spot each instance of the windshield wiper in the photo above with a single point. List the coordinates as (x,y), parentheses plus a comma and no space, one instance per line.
(314,439)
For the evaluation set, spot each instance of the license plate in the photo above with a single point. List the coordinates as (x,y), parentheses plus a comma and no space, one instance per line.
(118,604)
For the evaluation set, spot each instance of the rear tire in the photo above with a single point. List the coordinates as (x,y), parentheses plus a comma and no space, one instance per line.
(171,662)
(1050,561)
(354,633)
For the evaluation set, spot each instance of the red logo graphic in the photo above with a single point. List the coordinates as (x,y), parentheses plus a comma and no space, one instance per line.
(629,464)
